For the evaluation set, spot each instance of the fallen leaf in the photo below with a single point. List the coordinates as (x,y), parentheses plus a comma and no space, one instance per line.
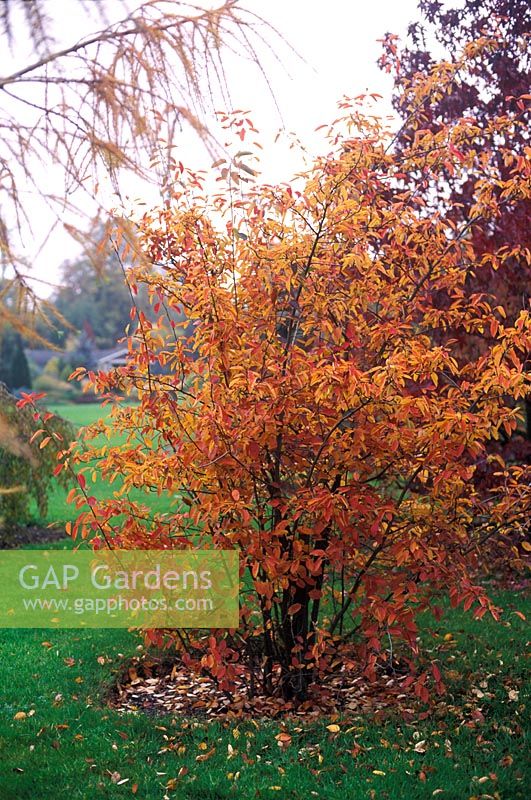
(20,715)
(333,728)
(206,756)
(283,739)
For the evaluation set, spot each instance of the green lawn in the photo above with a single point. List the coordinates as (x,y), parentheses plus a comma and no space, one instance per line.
(58,510)
(78,413)
(68,745)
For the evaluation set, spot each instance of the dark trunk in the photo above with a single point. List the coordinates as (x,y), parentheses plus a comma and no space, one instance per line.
(295,677)
(267,668)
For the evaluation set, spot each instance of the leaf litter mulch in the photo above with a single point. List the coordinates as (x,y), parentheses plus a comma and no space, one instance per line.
(160,687)
(163,687)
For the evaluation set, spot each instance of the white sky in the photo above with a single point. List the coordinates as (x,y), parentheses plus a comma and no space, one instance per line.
(337,42)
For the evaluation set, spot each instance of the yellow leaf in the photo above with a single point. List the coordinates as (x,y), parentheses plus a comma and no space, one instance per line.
(333,728)
(20,715)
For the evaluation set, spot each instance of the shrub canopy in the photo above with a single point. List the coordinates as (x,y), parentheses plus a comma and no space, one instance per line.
(310,417)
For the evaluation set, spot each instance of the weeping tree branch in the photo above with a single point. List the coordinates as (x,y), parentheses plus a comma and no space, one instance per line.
(110,102)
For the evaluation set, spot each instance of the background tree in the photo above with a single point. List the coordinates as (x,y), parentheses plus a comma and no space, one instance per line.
(14,369)
(95,304)
(312,419)
(100,299)
(489,85)
(102,105)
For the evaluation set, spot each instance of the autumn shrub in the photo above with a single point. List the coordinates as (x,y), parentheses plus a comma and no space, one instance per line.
(310,416)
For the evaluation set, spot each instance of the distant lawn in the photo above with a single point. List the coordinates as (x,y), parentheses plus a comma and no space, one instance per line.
(79,413)
(59,511)
(74,748)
